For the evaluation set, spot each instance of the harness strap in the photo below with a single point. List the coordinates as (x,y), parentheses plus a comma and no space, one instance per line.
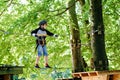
(39,42)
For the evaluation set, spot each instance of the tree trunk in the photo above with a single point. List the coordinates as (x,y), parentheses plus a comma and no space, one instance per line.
(75,39)
(98,40)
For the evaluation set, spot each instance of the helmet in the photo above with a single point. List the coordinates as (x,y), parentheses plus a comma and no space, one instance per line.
(42,22)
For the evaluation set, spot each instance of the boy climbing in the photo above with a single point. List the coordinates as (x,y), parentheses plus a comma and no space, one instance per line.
(40,33)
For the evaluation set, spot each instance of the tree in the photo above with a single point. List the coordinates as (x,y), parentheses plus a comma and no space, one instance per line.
(18,18)
(98,40)
(75,39)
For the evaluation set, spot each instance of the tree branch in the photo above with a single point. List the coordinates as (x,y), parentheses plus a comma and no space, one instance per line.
(66,9)
(10,2)
(2,30)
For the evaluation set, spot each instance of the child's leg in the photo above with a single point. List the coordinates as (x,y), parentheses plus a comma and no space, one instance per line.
(45,55)
(39,54)
(37,59)
(46,60)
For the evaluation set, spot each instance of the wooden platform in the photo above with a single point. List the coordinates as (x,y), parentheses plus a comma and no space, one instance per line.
(7,71)
(64,79)
(98,75)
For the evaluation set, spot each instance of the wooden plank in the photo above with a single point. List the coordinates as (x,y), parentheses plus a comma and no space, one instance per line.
(93,73)
(76,75)
(10,66)
(98,75)
(64,79)
(109,72)
(20,71)
(11,70)
(7,77)
(84,74)
(116,76)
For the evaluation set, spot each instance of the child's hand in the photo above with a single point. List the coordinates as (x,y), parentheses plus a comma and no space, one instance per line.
(55,35)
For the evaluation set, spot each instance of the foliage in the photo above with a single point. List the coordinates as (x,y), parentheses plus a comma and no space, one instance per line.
(19,17)
(55,74)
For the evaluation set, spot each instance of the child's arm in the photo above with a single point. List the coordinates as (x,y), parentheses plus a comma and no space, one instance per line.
(51,34)
(34,33)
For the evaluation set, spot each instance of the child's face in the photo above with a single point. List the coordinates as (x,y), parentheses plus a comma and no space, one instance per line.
(44,26)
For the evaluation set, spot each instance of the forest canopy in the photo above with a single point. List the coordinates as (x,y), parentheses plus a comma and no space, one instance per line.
(19,17)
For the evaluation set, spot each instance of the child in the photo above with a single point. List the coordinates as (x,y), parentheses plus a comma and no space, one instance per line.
(41,33)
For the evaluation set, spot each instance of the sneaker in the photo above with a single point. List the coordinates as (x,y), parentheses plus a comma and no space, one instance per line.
(47,66)
(37,66)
